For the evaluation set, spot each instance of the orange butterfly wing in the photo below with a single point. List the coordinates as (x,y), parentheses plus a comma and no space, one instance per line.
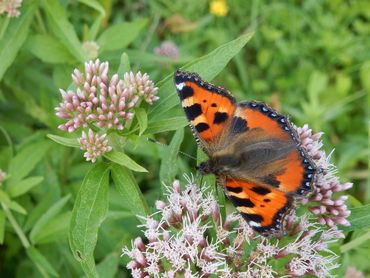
(263,207)
(297,170)
(217,122)
(208,108)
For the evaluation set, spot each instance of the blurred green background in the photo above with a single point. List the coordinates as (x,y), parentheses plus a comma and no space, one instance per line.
(309,59)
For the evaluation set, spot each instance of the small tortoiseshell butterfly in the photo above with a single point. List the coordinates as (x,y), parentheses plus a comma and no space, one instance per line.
(253,151)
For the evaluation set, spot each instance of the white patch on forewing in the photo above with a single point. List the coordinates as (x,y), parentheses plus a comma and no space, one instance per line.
(254,224)
(180,86)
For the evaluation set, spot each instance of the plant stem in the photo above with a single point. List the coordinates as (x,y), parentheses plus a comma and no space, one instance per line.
(16,227)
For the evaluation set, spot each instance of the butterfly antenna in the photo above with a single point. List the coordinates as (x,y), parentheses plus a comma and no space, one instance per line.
(166,146)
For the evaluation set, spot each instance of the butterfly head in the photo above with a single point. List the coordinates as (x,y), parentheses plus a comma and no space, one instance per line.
(206,168)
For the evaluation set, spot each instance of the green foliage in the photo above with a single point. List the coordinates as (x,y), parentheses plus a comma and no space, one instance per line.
(309,60)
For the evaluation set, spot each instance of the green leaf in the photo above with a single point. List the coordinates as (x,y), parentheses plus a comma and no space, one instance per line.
(48,216)
(48,49)
(69,142)
(5,199)
(15,35)
(142,118)
(359,219)
(124,65)
(109,266)
(23,186)
(2,226)
(169,167)
(355,242)
(97,22)
(207,67)
(56,229)
(43,205)
(129,189)
(124,160)
(120,35)
(158,126)
(62,28)
(25,160)
(41,262)
(88,213)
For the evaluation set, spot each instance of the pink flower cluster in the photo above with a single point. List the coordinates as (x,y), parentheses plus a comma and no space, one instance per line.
(168,49)
(188,237)
(325,201)
(94,145)
(105,102)
(10,7)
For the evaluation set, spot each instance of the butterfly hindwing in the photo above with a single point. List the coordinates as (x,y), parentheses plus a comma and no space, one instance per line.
(208,108)
(263,207)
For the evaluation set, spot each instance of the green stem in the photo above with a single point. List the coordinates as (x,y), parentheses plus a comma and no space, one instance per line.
(40,21)
(16,227)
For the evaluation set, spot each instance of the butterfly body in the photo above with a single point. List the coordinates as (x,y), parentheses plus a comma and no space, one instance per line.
(253,151)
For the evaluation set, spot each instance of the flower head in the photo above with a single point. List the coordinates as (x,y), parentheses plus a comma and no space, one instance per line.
(94,144)
(168,49)
(107,102)
(325,201)
(91,49)
(218,7)
(10,7)
(2,176)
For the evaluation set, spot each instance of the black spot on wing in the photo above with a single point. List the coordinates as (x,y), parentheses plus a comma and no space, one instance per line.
(252,217)
(186,92)
(239,202)
(234,189)
(201,127)
(238,125)
(271,180)
(220,117)
(261,190)
(193,111)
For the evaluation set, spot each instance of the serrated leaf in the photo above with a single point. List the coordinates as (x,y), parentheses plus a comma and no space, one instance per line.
(48,49)
(158,126)
(23,186)
(111,40)
(88,213)
(207,67)
(25,160)
(168,169)
(2,226)
(48,216)
(124,65)
(63,29)
(129,190)
(124,160)
(41,262)
(69,142)
(142,119)
(15,35)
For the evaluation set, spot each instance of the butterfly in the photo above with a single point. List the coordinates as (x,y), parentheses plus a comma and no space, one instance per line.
(253,151)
